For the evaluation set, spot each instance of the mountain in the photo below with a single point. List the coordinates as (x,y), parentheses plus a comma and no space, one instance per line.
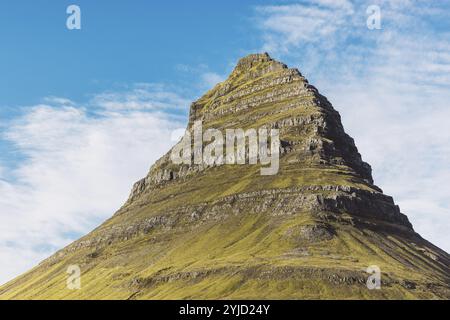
(198,231)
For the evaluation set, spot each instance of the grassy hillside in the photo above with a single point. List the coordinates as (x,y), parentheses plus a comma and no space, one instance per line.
(227,232)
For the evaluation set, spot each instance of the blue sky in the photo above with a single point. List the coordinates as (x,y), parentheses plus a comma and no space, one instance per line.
(119,43)
(84,109)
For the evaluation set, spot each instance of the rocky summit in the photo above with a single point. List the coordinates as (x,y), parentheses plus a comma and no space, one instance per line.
(312,231)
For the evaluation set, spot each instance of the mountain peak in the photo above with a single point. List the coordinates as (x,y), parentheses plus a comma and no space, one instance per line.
(257,61)
(251,73)
(264,92)
(252,59)
(224,231)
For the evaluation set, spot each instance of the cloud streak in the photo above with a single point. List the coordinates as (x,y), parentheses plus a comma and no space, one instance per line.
(142,96)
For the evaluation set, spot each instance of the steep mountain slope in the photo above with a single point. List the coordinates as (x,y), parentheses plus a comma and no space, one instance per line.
(310,231)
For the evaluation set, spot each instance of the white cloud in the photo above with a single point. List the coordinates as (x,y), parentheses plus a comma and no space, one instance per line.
(391,86)
(79,166)
(210,79)
(313,22)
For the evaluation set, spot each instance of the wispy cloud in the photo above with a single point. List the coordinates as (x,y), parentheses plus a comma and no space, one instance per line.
(143,96)
(210,79)
(78,166)
(392,87)
(207,78)
(292,25)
